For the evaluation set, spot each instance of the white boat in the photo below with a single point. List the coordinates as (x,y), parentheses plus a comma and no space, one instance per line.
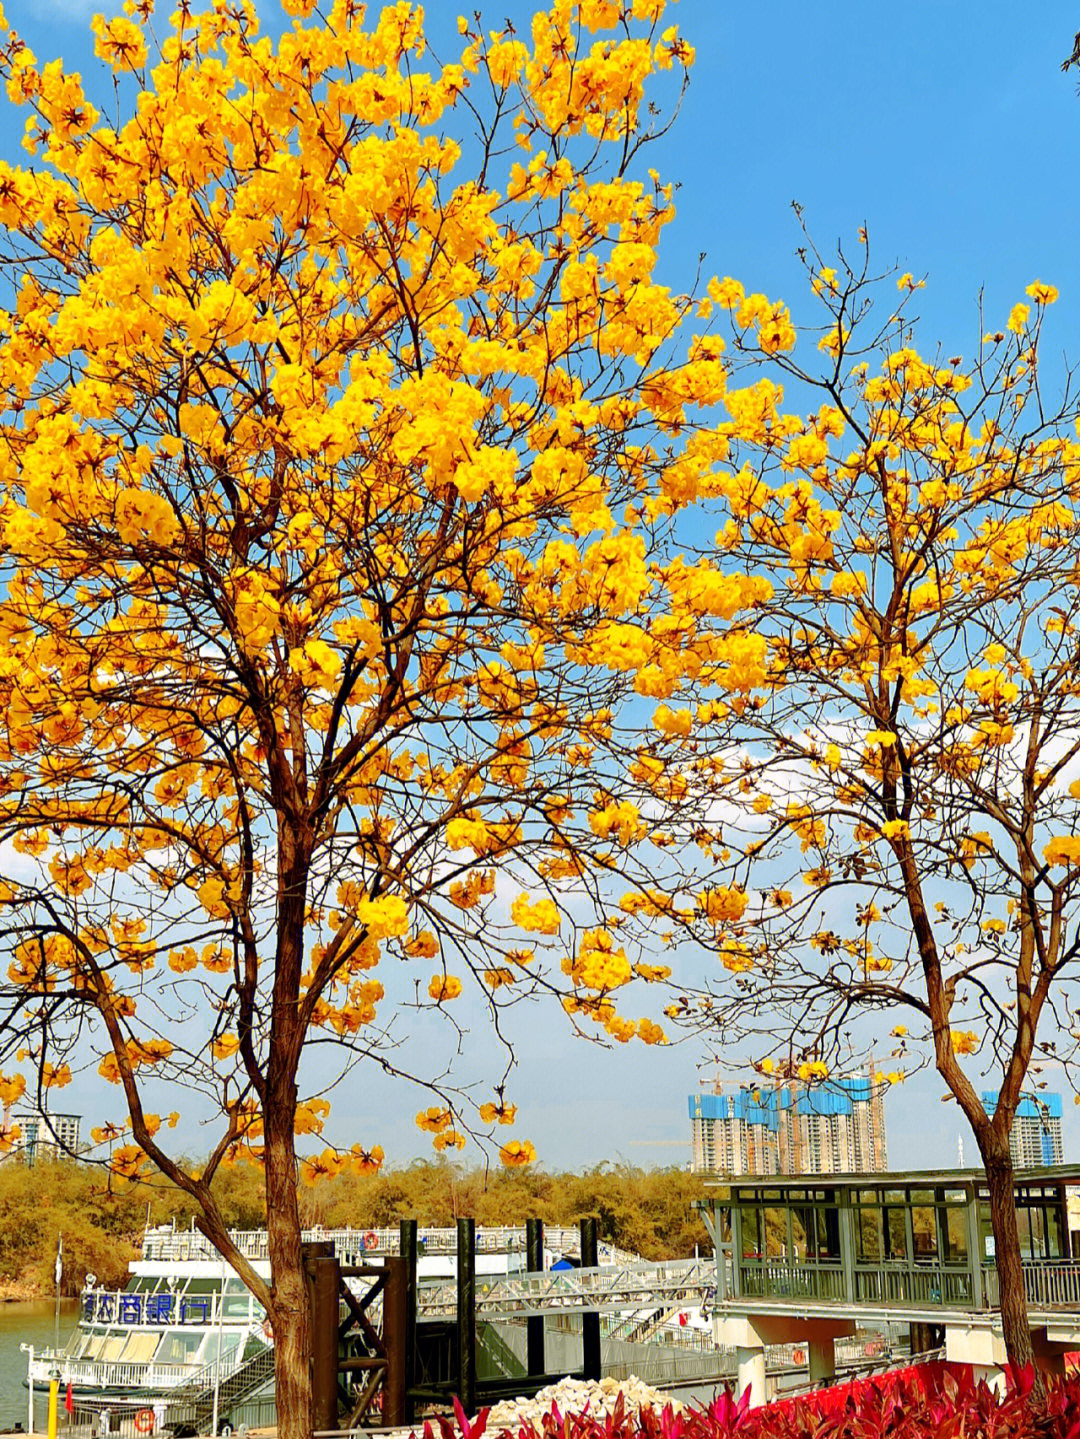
(186,1327)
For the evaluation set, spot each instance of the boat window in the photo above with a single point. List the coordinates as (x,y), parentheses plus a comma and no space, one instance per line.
(139,1348)
(229,1343)
(179,1346)
(235,1304)
(113,1347)
(94,1342)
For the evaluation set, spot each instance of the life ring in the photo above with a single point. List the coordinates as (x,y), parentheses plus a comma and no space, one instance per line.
(371,1240)
(144,1421)
(798,1358)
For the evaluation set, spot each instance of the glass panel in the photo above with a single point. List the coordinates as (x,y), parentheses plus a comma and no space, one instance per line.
(868,1235)
(228,1346)
(954,1235)
(955,1196)
(776,1234)
(1023,1223)
(178,1346)
(986,1231)
(922,1196)
(828,1234)
(1056,1245)
(803,1232)
(236,1302)
(924,1236)
(895,1196)
(895,1234)
(867,1196)
(751,1234)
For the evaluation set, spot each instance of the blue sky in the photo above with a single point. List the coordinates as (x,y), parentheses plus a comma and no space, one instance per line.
(946,128)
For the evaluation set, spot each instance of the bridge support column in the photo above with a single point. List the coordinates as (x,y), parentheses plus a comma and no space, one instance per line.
(590,1319)
(822,1356)
(750,1374)
(534,1262)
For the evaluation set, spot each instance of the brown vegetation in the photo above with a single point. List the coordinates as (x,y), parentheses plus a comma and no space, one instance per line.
(648,1211)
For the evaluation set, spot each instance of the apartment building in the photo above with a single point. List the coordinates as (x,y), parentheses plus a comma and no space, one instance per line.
(786,1126)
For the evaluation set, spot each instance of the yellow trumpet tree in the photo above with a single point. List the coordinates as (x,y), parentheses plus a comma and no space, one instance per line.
(335,455)
(890,744)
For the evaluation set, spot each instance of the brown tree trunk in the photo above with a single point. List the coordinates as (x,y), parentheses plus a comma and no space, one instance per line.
(1014,1315)
(292,1305)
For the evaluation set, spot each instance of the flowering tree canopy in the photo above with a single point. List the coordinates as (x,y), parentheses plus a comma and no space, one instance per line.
(892,756)
(338,460)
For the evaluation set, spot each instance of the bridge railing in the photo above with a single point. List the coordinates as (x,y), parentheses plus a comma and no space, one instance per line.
(947,1285)
(796,1279)
(632,1286)
(1048,1283)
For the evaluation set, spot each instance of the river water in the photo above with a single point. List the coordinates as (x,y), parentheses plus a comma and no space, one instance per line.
(26,1322)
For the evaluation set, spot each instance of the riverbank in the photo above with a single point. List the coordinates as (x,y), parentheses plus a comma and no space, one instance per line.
(20,1291)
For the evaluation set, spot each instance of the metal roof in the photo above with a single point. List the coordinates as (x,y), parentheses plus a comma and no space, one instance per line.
(892,1179)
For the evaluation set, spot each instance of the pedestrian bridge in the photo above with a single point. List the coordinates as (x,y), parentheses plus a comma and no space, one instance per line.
(808,1258)
(678,1284)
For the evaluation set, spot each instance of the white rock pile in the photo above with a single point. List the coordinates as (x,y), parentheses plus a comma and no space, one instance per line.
(574,1396)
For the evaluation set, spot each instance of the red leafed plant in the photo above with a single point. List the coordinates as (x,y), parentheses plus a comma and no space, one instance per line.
(932,1402)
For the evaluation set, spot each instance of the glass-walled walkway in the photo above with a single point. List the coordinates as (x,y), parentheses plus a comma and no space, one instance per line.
(913,1240)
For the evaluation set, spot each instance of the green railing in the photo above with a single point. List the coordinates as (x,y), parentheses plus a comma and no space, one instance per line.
(791,1279)
(931,1284)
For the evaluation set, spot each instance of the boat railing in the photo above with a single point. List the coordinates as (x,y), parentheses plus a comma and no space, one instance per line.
(183,1245)
(119,1374)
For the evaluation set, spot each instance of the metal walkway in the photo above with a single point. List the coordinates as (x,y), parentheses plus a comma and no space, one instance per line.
(677,1284)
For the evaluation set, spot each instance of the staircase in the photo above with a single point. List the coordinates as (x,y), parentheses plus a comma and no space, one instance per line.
(193,1403)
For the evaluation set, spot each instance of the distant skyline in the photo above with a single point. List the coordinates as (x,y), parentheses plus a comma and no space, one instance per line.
(951,133)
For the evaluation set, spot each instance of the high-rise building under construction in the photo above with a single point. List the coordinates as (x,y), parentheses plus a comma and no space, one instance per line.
(787,1126)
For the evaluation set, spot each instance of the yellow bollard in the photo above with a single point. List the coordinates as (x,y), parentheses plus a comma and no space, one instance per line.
(54,1396)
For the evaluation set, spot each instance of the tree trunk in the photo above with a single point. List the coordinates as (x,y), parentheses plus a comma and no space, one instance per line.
(292,1304)
(1014,1315)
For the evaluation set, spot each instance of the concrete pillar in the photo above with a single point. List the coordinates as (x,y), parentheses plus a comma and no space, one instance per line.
(994,1376)
(822,1356)
(750,1374)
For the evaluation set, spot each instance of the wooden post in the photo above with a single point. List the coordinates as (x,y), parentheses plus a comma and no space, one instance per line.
(409,1253)
(324,1281)
(396,1340)
(534,1263)
(466,1313)
(590,1320)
